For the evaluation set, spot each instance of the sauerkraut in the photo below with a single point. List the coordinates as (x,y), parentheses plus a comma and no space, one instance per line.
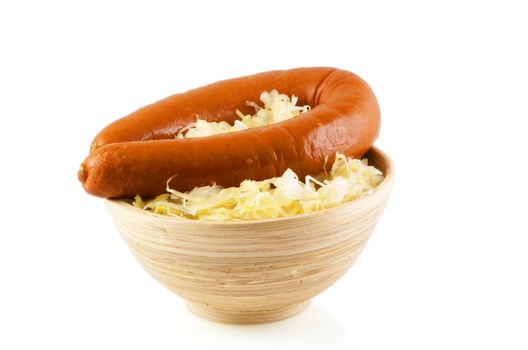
(277,107)
(278,197)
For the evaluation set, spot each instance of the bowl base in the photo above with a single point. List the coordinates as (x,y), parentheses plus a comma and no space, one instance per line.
(243,316)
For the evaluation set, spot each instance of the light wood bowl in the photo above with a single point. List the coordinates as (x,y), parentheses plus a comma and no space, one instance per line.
(253,271)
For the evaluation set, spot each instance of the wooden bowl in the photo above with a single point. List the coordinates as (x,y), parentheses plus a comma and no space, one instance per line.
(253,271)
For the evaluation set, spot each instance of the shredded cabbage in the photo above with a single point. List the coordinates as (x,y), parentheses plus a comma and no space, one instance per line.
(277,107)
(278,197)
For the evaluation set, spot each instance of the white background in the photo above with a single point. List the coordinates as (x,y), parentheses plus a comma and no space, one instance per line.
(447,267)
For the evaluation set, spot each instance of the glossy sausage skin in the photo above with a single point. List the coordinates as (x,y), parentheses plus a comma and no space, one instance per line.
(137,154)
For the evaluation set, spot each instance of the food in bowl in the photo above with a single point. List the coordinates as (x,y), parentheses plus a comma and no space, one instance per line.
(278,197)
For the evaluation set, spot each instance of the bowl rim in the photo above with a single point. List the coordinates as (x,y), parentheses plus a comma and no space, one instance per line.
(383,187)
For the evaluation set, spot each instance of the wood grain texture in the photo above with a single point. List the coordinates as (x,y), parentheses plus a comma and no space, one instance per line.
(253,271)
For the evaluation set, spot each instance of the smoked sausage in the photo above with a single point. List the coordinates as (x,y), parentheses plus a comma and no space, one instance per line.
(138,153)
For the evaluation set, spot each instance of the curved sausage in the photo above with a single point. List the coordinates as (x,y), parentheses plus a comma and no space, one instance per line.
(137,154)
